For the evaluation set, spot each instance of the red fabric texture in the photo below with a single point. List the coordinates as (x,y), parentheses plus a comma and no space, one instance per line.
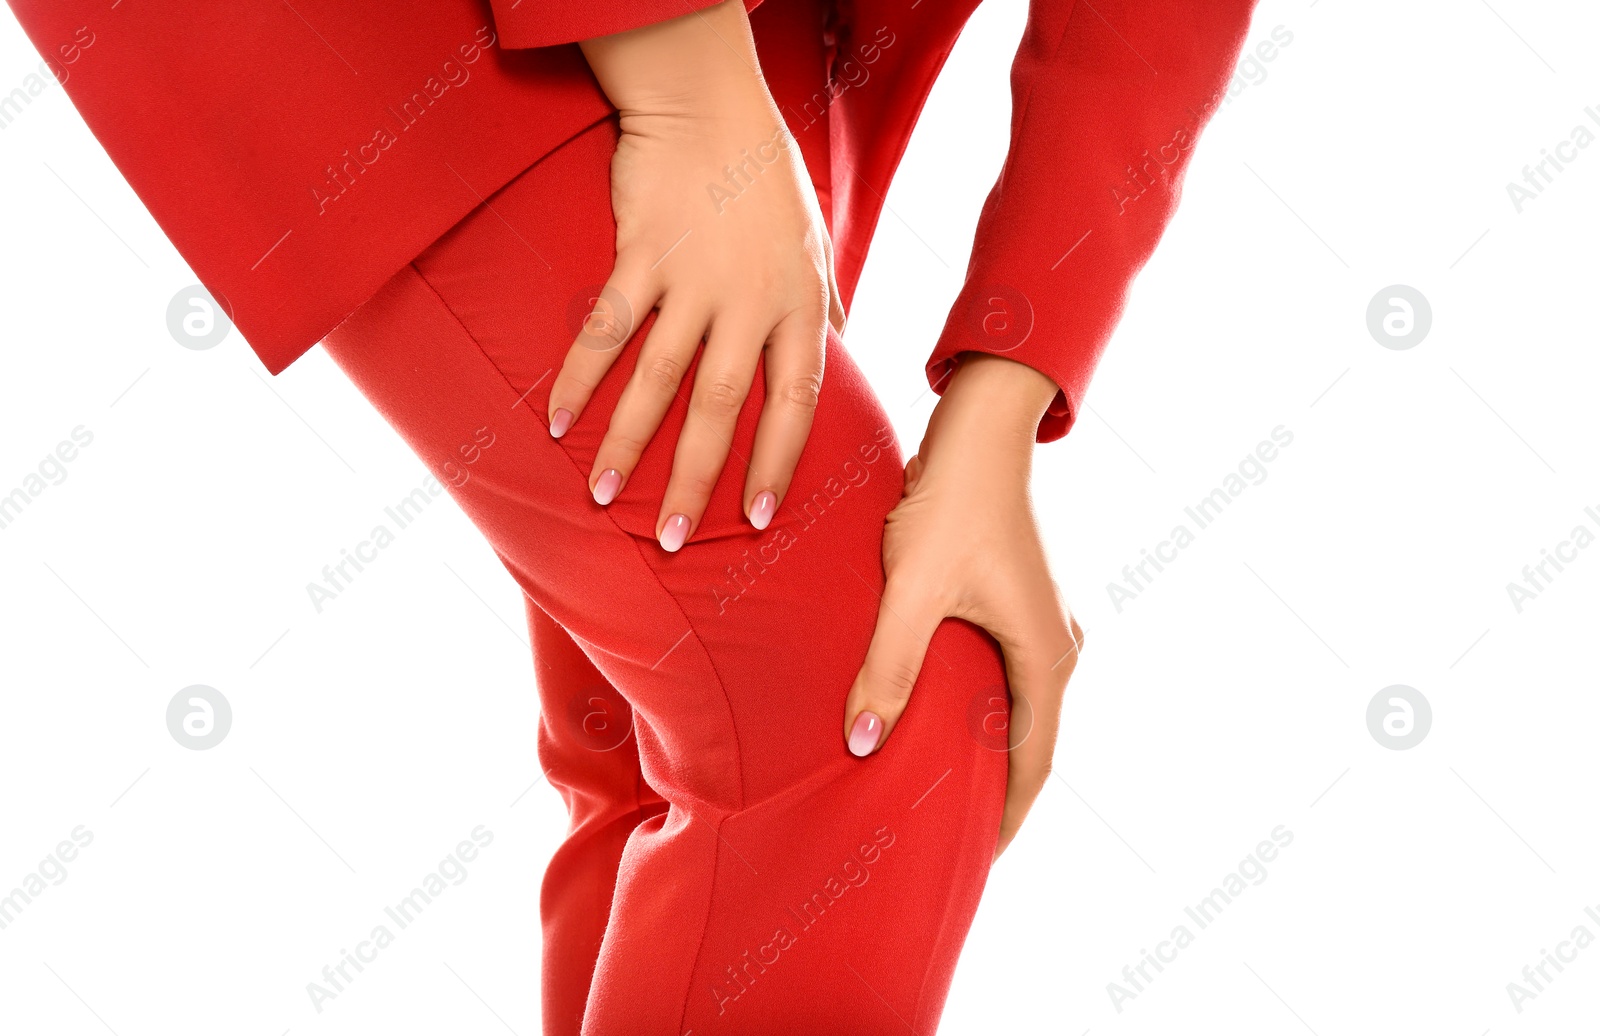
(542,23)
(298,155)
(1107,102)
(731,868)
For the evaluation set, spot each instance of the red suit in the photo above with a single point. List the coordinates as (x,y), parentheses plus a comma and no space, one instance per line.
(429,177)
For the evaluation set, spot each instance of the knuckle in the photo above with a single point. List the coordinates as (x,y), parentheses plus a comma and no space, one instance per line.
(612,331)
(625,444)
(575,384)
(894,679)
(664,372)
(719,398)
(604,329)
(697,484)
(802,393)
(576,377)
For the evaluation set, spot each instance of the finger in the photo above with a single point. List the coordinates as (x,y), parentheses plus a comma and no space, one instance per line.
(721,385)
(667,353)
(907,617)
(614,313)
(794,361)
(1039,658)
(836,315)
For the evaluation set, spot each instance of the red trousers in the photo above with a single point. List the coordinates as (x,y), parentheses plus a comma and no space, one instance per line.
(730,867)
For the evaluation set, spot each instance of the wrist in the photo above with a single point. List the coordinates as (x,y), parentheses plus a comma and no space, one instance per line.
(699,64)
(991,408)
(1012,396)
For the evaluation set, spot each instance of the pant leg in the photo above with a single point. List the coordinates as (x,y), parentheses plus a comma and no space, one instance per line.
(588,753)
(788,887)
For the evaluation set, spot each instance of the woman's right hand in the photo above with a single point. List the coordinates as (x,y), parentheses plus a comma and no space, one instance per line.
(718,229)
(964,542)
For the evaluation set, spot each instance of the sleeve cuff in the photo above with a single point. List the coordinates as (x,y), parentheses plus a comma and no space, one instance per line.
(542,23)
(1004,321)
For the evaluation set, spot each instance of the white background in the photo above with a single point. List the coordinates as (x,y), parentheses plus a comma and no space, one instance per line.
(1229,697)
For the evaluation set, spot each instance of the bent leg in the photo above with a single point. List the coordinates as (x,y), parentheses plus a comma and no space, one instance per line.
(788,886)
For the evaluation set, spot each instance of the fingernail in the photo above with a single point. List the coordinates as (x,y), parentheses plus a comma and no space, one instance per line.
(607,488)
(560,422)
(674,533)
(864,735)
(761,509)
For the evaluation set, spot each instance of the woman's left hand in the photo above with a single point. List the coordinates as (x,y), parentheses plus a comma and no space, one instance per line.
(963,543)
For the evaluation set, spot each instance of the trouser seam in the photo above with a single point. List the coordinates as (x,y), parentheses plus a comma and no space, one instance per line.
(716,846)
(722,684)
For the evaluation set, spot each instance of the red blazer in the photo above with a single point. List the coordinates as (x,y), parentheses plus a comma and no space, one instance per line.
(299,152)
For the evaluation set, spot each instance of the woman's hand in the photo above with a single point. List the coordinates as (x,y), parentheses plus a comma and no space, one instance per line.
(719,230)
(963,542)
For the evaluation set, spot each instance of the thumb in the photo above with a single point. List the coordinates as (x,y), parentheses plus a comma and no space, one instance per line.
(907,618)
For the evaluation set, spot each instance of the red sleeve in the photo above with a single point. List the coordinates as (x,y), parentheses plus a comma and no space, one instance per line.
(1107,102)
(545,23)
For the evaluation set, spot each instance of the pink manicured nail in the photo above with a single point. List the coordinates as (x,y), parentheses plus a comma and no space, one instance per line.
(560,422)
(864,735)
(761,509)
(608,487)
(674,533)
